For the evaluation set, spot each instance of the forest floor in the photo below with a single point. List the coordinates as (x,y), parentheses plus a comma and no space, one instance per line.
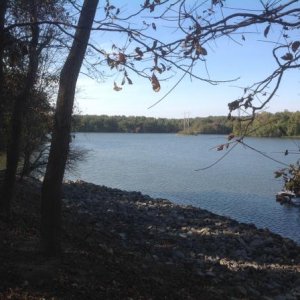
(125,245)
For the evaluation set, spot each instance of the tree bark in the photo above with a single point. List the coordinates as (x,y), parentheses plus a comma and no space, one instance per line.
(3,7)
(52,184)
(15,136)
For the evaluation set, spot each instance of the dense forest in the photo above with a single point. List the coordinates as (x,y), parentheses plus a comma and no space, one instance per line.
(104,123)
(265,125)
(276,125)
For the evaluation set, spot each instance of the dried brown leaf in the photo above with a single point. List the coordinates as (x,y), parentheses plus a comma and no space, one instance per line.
(122,58)
(139,51)
(155,60)
(116,87)
(230,136)
(147,3)
(201,50)
(158,69)
(287,56)
(278,174)
(295,46)
(155,83)
(154,45)
(266,31)
(128,79)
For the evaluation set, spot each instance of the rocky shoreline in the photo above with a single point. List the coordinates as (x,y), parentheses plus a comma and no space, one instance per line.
(129,246)
(251,262)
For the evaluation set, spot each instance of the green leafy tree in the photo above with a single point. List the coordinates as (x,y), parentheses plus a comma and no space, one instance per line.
(24,45)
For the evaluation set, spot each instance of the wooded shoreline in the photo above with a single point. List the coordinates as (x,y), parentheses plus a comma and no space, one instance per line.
(281,124)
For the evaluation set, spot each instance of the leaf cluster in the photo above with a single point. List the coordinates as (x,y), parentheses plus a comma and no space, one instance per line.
(291,177)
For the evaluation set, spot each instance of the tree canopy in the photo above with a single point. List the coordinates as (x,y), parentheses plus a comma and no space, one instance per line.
(280,124)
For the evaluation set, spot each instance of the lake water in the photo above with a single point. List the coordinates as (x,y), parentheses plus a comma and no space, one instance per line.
(241,186)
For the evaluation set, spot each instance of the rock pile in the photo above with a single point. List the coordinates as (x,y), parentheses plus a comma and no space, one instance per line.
(232,260)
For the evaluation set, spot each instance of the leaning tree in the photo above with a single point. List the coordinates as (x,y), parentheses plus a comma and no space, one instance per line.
(141,53)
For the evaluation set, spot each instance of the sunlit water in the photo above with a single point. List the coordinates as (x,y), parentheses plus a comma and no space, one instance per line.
(241,186)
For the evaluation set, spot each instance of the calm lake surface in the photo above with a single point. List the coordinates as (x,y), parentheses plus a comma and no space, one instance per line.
(241,186)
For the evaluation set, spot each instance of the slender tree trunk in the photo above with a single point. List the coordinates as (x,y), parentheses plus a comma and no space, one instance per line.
(26,165)
(3,6)
(51,189)
(13,148)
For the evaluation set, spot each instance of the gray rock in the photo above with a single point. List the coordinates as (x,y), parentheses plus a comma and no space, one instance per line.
(241,254)
(280,297)
(123,235)
(241,290)
(188,236)
(178,254)
(257,242)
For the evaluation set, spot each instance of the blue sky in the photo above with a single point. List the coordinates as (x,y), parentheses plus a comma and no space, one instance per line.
(251,61)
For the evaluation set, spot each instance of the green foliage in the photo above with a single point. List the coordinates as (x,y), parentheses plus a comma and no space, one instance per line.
(36,131)
(103,123)
(280,124)
(211,125)
(291,177)
(265,125)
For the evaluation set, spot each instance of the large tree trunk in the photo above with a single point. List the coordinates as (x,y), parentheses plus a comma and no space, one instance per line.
(51,189)
(15,135)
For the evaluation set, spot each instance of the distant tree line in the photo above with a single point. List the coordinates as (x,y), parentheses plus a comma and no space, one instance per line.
(209,125)
(132,124)
(275,125)
(265,125)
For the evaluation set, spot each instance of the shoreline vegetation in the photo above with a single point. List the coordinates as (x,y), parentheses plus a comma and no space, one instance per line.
(126,245)
(281,124)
